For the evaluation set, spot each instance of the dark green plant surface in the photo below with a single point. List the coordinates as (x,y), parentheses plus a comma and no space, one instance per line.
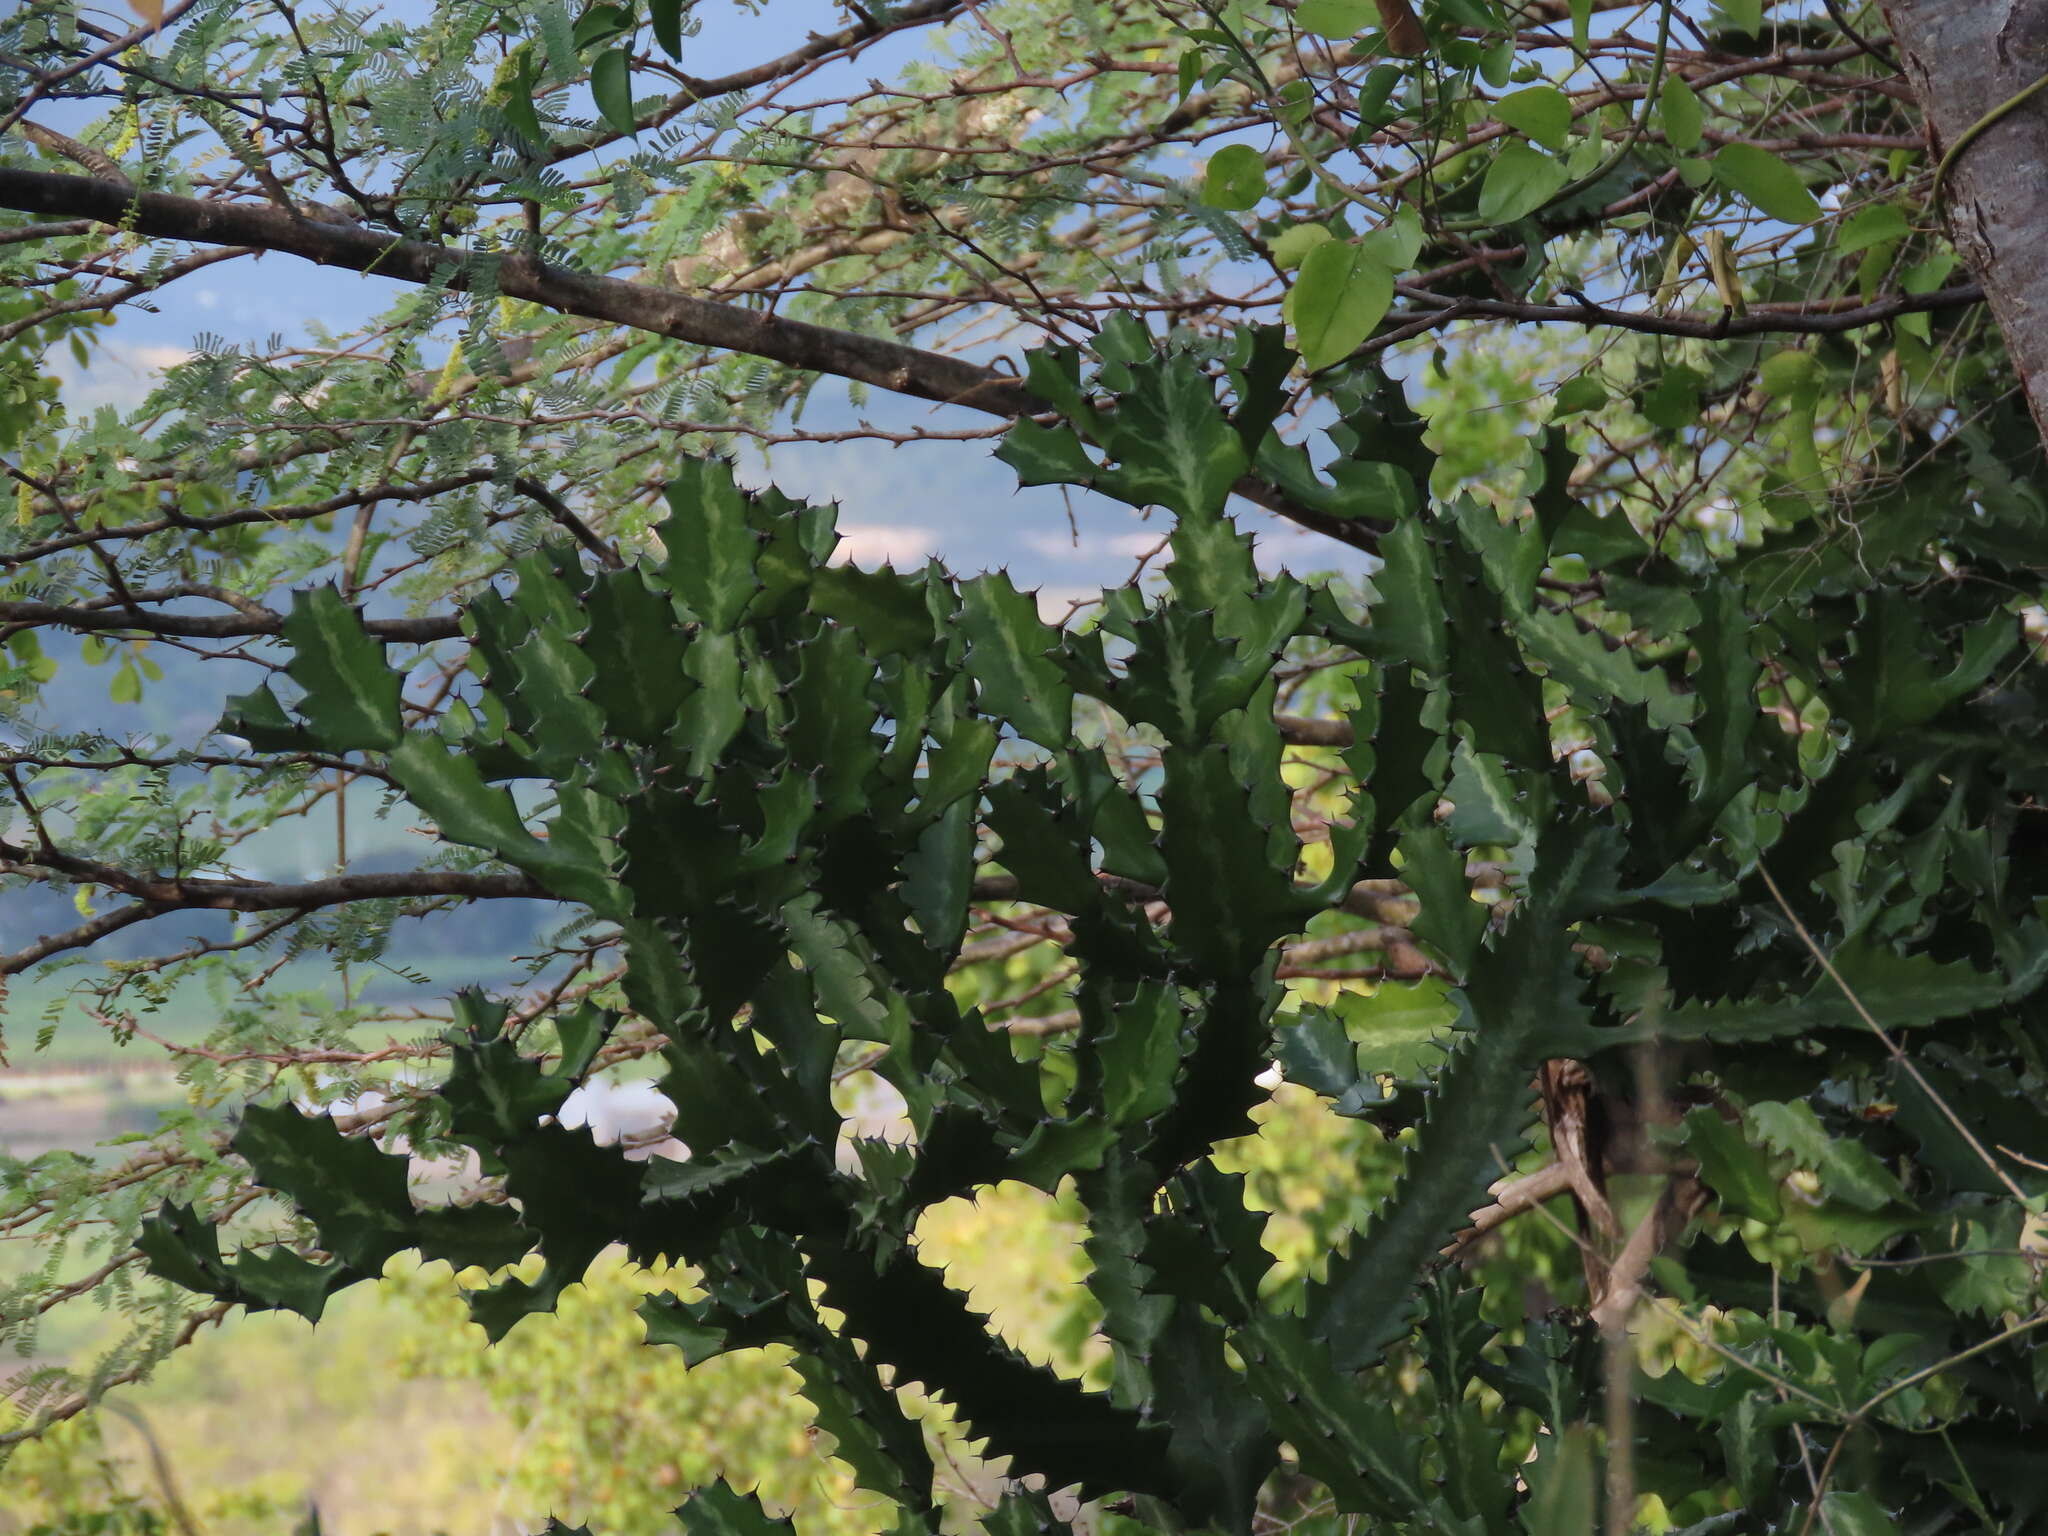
(784,781)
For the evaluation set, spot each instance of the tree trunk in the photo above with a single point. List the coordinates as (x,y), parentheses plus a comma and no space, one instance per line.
(1967,60)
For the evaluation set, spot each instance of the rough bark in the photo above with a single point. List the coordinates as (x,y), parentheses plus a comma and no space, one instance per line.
(1966,59)
(871,360)
(889,365)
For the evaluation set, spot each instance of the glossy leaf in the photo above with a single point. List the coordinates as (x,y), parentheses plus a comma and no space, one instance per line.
(1766,182)
(611,86)
(1542,112)
(1235,178)
(1520,180)
(1338,19)
(1340,295)
(1683,116)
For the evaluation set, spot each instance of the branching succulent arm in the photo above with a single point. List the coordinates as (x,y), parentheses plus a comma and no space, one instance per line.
(781,778)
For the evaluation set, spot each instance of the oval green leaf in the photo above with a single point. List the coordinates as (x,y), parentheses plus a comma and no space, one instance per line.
(1334,18)
(1766,183)
(1520,180)
(667,19)
(1583,393)
(600,24)
(1856,1514)
(1235,179)
(1745,16)
(1788,373)
(1397,242)
(1872,226)
(1290,246)
(611,84)
(1685,120)
(1542,112)
(1340,296)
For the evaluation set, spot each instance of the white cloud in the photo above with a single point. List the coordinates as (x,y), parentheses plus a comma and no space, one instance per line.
(897,544)
(1056,604)
(1093,546)
(118,375)
(1285,547)
(161,358)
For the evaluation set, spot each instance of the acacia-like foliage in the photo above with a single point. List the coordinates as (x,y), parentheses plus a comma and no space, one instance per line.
(773,775)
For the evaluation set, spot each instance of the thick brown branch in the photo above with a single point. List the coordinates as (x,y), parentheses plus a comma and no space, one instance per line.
(814,348)
(885,364)
(1380,901)
(424,490)
(206,626)
(151,896)
(1824,319)
(1297,732)
(815,50)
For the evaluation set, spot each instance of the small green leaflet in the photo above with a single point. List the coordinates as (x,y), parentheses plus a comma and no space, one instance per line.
(1235,179)
(1871,226)
(1334,18)
(1542,112)
(516,102)
(1674,403)
(1291,246)
(1764,181)
(1398,241)
(1584,393)
(667,17)
(1338,300)
(1745,16)
(1521,179)
(1497,63)
(600,24)
(1790,374)
(611,85)
(1374,92)
(1684,118)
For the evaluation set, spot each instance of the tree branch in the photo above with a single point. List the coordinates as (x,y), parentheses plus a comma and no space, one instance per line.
(815,50)
(796,343)
(1821,319)
(152,896)
(201,626)
(885,364)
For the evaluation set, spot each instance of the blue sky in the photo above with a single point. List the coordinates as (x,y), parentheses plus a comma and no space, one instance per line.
(945,499)
(897,504)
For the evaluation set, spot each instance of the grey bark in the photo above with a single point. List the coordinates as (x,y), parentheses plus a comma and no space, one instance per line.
(1965,60)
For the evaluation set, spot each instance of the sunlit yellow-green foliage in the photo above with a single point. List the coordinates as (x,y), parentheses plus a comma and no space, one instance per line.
(1016,1252)
(610,1427)
(339,1427)
(395,1416)
(618,1431)
(1319,1176)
